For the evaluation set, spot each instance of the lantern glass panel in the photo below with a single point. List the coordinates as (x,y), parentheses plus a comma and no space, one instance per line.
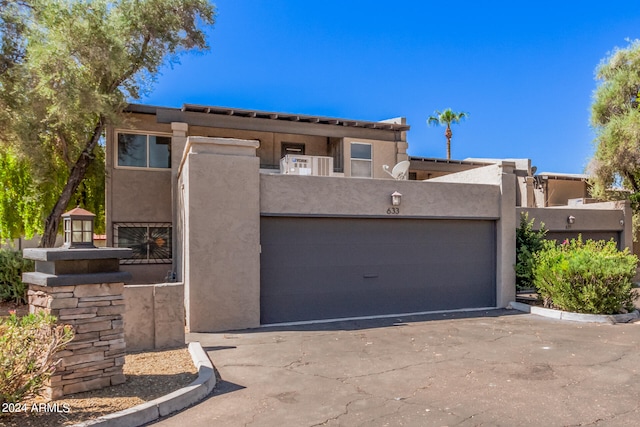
(87,225)
(77,236)
(76,225)
(86,236)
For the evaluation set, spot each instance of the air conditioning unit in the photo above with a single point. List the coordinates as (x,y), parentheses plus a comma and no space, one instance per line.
(293,164)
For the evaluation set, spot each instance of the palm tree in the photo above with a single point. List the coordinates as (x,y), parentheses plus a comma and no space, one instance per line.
(447,117)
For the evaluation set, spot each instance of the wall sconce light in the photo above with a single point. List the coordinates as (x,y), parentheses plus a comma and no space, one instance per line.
(396,198)
(571,219)
(78,228)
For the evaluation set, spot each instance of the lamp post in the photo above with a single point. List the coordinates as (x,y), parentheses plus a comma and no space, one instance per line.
(78,228)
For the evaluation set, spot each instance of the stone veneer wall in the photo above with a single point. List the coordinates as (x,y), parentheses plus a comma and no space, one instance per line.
(95,357)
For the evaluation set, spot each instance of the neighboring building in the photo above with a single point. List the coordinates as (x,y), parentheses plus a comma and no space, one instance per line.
(270,217)
(540,190)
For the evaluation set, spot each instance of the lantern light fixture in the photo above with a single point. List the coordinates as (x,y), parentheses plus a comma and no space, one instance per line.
(78,228)
(396,198)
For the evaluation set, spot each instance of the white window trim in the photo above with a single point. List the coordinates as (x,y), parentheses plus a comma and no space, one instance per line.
(361,160)
(136,132)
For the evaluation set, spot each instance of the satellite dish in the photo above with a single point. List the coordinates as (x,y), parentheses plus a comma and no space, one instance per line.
(400,171)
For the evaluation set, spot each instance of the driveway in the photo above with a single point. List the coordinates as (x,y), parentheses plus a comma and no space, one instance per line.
(488,368)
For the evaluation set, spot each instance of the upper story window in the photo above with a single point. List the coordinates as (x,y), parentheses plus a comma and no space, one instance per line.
(144,151)
(361,160)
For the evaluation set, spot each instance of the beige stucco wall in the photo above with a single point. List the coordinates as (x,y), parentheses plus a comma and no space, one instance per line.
(154,316)
(382,153)
(143,195)
(221,234)
(491,174)
(326,196)
(135,194)
(270,142)
(612,216)
(560,191)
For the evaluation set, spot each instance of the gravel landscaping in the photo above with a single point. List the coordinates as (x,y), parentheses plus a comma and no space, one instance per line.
(149,375)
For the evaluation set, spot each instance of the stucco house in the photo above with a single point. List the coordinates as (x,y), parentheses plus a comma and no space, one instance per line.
(274,218)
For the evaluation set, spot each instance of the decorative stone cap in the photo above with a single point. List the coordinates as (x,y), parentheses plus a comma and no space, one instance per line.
(44,279)
(64,254)
(64,266)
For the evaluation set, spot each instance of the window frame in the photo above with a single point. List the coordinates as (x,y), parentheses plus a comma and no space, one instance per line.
(116,163)
(147,225)
(359,159)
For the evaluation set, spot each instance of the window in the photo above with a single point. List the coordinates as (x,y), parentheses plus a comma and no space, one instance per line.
(360,160)
(144,151)
(150,242)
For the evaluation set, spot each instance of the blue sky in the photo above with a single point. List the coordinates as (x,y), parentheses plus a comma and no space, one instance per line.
(524,71)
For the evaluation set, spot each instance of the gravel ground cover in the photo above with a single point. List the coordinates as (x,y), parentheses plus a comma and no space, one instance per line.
(149,375)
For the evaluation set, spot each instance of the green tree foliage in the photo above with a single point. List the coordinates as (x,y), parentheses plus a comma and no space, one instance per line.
(616,120)
(528,243)
(12,265)
(70,68)
(585,277)
(446,118)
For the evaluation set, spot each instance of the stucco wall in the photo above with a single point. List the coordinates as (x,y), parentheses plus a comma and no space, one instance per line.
(135,194)
(270,142)
(615,219)
(222,234)
(560,191)
(327,196)
(154,316)
(383,153)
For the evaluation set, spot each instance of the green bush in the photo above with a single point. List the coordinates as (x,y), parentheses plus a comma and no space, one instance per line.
(528,243)
(585,277)
(27,350)
(12,264)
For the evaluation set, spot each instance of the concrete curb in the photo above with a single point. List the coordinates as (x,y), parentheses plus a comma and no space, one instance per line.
(165,405)
(575,317)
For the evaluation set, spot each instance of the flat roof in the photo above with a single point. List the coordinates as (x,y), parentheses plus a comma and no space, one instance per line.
(450,161)
(566,176)
(289,117)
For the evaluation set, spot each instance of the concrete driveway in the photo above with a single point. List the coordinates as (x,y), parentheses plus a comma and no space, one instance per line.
(485,368)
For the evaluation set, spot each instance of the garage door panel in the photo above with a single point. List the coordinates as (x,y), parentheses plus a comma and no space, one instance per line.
(359,267)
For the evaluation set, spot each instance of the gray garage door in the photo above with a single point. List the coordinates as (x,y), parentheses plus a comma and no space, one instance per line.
(327,268)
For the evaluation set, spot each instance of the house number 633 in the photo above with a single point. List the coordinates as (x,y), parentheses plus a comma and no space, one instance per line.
(393,211)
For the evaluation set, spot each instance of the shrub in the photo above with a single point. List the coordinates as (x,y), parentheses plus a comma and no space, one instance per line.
(528,243)
(585,277)
(12,264)
(27,350)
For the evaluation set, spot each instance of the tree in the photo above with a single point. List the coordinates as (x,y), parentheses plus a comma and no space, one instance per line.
(446,118)
(615,117)
(71,67)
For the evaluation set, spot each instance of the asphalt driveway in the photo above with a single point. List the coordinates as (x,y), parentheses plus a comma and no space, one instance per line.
(485,368)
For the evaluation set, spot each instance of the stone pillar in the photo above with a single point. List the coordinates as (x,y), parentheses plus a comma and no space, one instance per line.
(82,288)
